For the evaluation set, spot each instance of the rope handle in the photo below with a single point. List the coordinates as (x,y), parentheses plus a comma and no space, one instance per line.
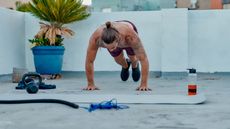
(112,104)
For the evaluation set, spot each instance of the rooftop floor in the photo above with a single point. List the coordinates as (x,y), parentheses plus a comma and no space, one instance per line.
(213,114)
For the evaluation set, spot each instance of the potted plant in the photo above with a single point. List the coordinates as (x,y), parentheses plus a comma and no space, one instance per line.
(47,46)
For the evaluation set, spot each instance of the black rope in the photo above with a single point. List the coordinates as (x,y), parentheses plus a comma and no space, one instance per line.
(73,105)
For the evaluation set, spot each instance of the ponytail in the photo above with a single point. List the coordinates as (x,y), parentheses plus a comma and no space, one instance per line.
(109,33)
(108,24)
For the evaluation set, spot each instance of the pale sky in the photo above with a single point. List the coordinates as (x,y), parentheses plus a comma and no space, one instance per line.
(87,2)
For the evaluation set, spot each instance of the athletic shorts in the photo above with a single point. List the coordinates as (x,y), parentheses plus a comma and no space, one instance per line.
(128,50)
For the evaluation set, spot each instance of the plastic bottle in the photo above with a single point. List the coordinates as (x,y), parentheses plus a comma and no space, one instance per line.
(192,82)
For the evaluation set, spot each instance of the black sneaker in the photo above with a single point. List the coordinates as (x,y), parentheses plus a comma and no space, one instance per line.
(136,74)
(125,71)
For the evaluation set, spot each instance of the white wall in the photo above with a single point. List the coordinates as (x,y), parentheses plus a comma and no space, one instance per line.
(12,37)
(174,39)
(76,46)
(209,40)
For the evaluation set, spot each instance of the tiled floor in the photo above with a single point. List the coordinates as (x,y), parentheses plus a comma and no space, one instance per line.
(214,114)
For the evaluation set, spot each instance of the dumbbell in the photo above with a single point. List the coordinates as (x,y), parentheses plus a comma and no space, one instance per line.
(29,81)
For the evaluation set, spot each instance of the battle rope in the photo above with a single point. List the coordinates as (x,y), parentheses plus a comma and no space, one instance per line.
(73,105)
(112,104)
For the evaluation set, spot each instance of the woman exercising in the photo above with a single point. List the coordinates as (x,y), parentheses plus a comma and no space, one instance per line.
(117,37)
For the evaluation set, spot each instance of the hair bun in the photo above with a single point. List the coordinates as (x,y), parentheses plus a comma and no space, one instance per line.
(108,24)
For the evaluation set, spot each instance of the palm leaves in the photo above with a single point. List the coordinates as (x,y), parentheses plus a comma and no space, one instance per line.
(56,13)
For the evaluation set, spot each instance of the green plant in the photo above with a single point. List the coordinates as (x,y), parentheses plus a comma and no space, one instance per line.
(45,42)
(55,14)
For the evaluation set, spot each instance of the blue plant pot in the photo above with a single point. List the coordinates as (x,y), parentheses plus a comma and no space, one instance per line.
(48,59)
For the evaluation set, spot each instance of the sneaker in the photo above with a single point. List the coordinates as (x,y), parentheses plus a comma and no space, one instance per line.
(125,71)
(136,74)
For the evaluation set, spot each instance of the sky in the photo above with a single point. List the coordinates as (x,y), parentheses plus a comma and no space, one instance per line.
(87,2)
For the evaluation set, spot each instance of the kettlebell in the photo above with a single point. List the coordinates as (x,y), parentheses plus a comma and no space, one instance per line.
(29,81)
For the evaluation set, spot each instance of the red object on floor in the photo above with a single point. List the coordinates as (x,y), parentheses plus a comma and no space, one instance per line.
(192,89)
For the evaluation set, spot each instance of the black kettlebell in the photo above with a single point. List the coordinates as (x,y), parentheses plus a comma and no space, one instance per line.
(29,81)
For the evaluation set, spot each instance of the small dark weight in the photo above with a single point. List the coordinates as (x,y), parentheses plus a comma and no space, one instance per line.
(32,88)
(29,81)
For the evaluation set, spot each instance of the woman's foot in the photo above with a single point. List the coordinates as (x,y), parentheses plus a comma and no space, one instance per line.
(136,74)
(125,71)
